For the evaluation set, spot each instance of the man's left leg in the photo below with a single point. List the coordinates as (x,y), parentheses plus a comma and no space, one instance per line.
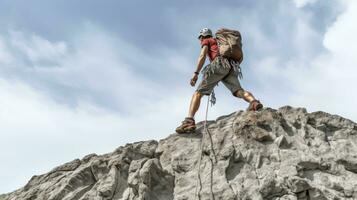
(232,83)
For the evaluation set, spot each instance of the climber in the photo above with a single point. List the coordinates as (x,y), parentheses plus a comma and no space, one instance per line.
(219,69)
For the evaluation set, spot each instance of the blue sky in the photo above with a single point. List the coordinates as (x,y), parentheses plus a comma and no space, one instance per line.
(78,77)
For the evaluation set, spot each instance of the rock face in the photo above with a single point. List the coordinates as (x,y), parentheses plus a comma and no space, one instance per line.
(285,154)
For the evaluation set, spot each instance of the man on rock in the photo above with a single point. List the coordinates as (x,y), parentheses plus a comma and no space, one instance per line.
(219,69)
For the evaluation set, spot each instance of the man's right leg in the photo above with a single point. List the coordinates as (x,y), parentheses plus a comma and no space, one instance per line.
(232,83)
(188,125)
(195,104)
(209,81)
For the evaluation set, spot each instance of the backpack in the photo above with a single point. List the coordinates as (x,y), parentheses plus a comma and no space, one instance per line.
(230,44)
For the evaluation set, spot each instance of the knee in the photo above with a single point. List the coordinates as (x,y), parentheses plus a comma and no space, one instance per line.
(240,93)
(198,95)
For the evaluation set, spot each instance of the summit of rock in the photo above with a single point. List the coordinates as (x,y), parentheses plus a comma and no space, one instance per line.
(284,154)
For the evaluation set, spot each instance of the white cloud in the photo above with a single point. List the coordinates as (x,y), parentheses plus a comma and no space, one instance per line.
(37,49)
(325,82)
(333,73)
(342,33)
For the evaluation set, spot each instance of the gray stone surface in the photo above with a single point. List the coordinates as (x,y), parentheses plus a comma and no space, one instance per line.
(284,154)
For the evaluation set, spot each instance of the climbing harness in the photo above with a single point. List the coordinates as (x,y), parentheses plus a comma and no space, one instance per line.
(211,99)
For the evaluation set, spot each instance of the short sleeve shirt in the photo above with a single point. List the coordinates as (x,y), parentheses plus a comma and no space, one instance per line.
(212,47)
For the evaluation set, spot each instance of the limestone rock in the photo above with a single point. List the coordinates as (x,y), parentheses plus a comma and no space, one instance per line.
(284,154)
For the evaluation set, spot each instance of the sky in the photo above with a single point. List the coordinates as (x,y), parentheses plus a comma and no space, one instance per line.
(81,77)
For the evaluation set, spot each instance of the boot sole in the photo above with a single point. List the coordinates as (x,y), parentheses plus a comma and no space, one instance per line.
(186,130)
(258,108)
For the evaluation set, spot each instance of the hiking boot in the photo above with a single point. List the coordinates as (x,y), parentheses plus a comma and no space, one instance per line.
(187,126)
(255,105)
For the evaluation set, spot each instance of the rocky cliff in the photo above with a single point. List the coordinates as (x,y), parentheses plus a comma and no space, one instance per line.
(271,154)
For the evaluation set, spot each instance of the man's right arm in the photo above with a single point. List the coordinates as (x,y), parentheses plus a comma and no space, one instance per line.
(202,58)
(200,63)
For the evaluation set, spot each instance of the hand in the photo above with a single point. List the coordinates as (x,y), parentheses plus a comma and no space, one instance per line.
(194,80)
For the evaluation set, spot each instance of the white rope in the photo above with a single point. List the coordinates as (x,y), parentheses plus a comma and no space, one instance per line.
(199,181)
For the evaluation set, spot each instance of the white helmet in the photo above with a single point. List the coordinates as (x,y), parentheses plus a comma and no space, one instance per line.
(205,32)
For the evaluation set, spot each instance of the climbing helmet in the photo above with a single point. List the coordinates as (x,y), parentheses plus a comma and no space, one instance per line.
(205,32)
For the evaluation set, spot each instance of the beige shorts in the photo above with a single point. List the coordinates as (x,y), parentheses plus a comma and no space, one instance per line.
(215,72)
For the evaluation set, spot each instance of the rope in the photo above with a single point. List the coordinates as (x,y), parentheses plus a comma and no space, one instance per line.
(199,181)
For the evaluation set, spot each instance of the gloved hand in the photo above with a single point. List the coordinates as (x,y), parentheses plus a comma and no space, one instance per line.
(194,80)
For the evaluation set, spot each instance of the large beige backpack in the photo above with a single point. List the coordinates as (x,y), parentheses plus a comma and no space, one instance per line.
(230,44)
